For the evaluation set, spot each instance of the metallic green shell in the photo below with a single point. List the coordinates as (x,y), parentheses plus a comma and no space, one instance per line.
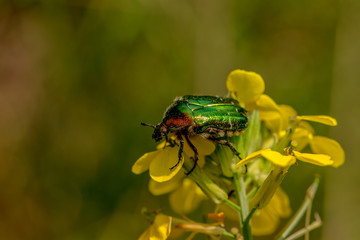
(209,112)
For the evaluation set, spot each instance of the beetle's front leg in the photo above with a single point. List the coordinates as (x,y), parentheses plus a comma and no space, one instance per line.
(180,151)
(196,155)
(228,144)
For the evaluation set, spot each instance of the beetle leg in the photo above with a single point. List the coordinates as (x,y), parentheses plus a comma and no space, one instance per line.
(196,155)
(180,151)
(230,145)
(226,143)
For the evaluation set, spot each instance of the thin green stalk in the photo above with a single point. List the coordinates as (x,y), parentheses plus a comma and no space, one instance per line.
(244,205)
(316,224)
(248,180)
(252,192)
(232,205)
(307,221)
(228,235)
(301,211)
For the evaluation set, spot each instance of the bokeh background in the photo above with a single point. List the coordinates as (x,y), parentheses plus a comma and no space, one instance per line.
(77,77)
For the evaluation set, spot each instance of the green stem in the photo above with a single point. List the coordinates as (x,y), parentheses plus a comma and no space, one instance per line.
(211,189)
(242,200)
(316,224)
(228,235)
(232,205)
(301,211)
(252,192)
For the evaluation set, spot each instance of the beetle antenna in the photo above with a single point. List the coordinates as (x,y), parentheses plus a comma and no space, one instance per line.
(148,125)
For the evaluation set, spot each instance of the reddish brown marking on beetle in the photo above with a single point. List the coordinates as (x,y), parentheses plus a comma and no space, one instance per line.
(183,121)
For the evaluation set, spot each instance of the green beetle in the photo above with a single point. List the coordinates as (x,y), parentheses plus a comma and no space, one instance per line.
(213,118)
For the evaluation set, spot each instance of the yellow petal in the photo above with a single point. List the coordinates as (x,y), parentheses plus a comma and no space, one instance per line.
(273,156)
(306,126)
(264,222)
(186,198)
(245,86)
(203,146)
(320,119)
(162,166)
(159,188)
(251,157)
(162,144)
(279,159)
(287,112)
(317,159)
(161,227)
(281,203)
(145,235)
(272,120)
(301,138)
(269,113)
(143,163)
(330,147)
(266,103)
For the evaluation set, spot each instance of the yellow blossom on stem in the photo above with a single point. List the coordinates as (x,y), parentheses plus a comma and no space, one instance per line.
(281,163)
(187,197)
(330,147)
(164,227)
(163,164)
(287,160)
(304,135)
(245,86)
(159,230)
(320,119)
(272,142)
(248,88)
(266,220)
(160,188)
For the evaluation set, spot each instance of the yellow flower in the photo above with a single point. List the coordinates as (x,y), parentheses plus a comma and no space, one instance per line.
(330,147)
(282,163)
(165,227)
(304,135)
(185,195)
(248,88)
(160,188)
(245,86)
(320,119)
(163,164)
(301,136)
(266,220)
(159,230)
(287,160)
(186,198)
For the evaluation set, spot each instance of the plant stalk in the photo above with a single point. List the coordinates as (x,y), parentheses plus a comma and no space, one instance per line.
(242,200)
(301,211)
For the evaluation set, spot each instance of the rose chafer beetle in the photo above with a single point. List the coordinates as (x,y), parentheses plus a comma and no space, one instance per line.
(213,118)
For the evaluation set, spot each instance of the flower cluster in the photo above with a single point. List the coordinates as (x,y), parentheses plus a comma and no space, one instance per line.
(246,191)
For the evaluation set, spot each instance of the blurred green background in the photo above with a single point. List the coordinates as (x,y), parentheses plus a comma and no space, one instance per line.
(77,78)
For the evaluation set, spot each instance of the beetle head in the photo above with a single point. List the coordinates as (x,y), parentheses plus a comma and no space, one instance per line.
(159,131)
